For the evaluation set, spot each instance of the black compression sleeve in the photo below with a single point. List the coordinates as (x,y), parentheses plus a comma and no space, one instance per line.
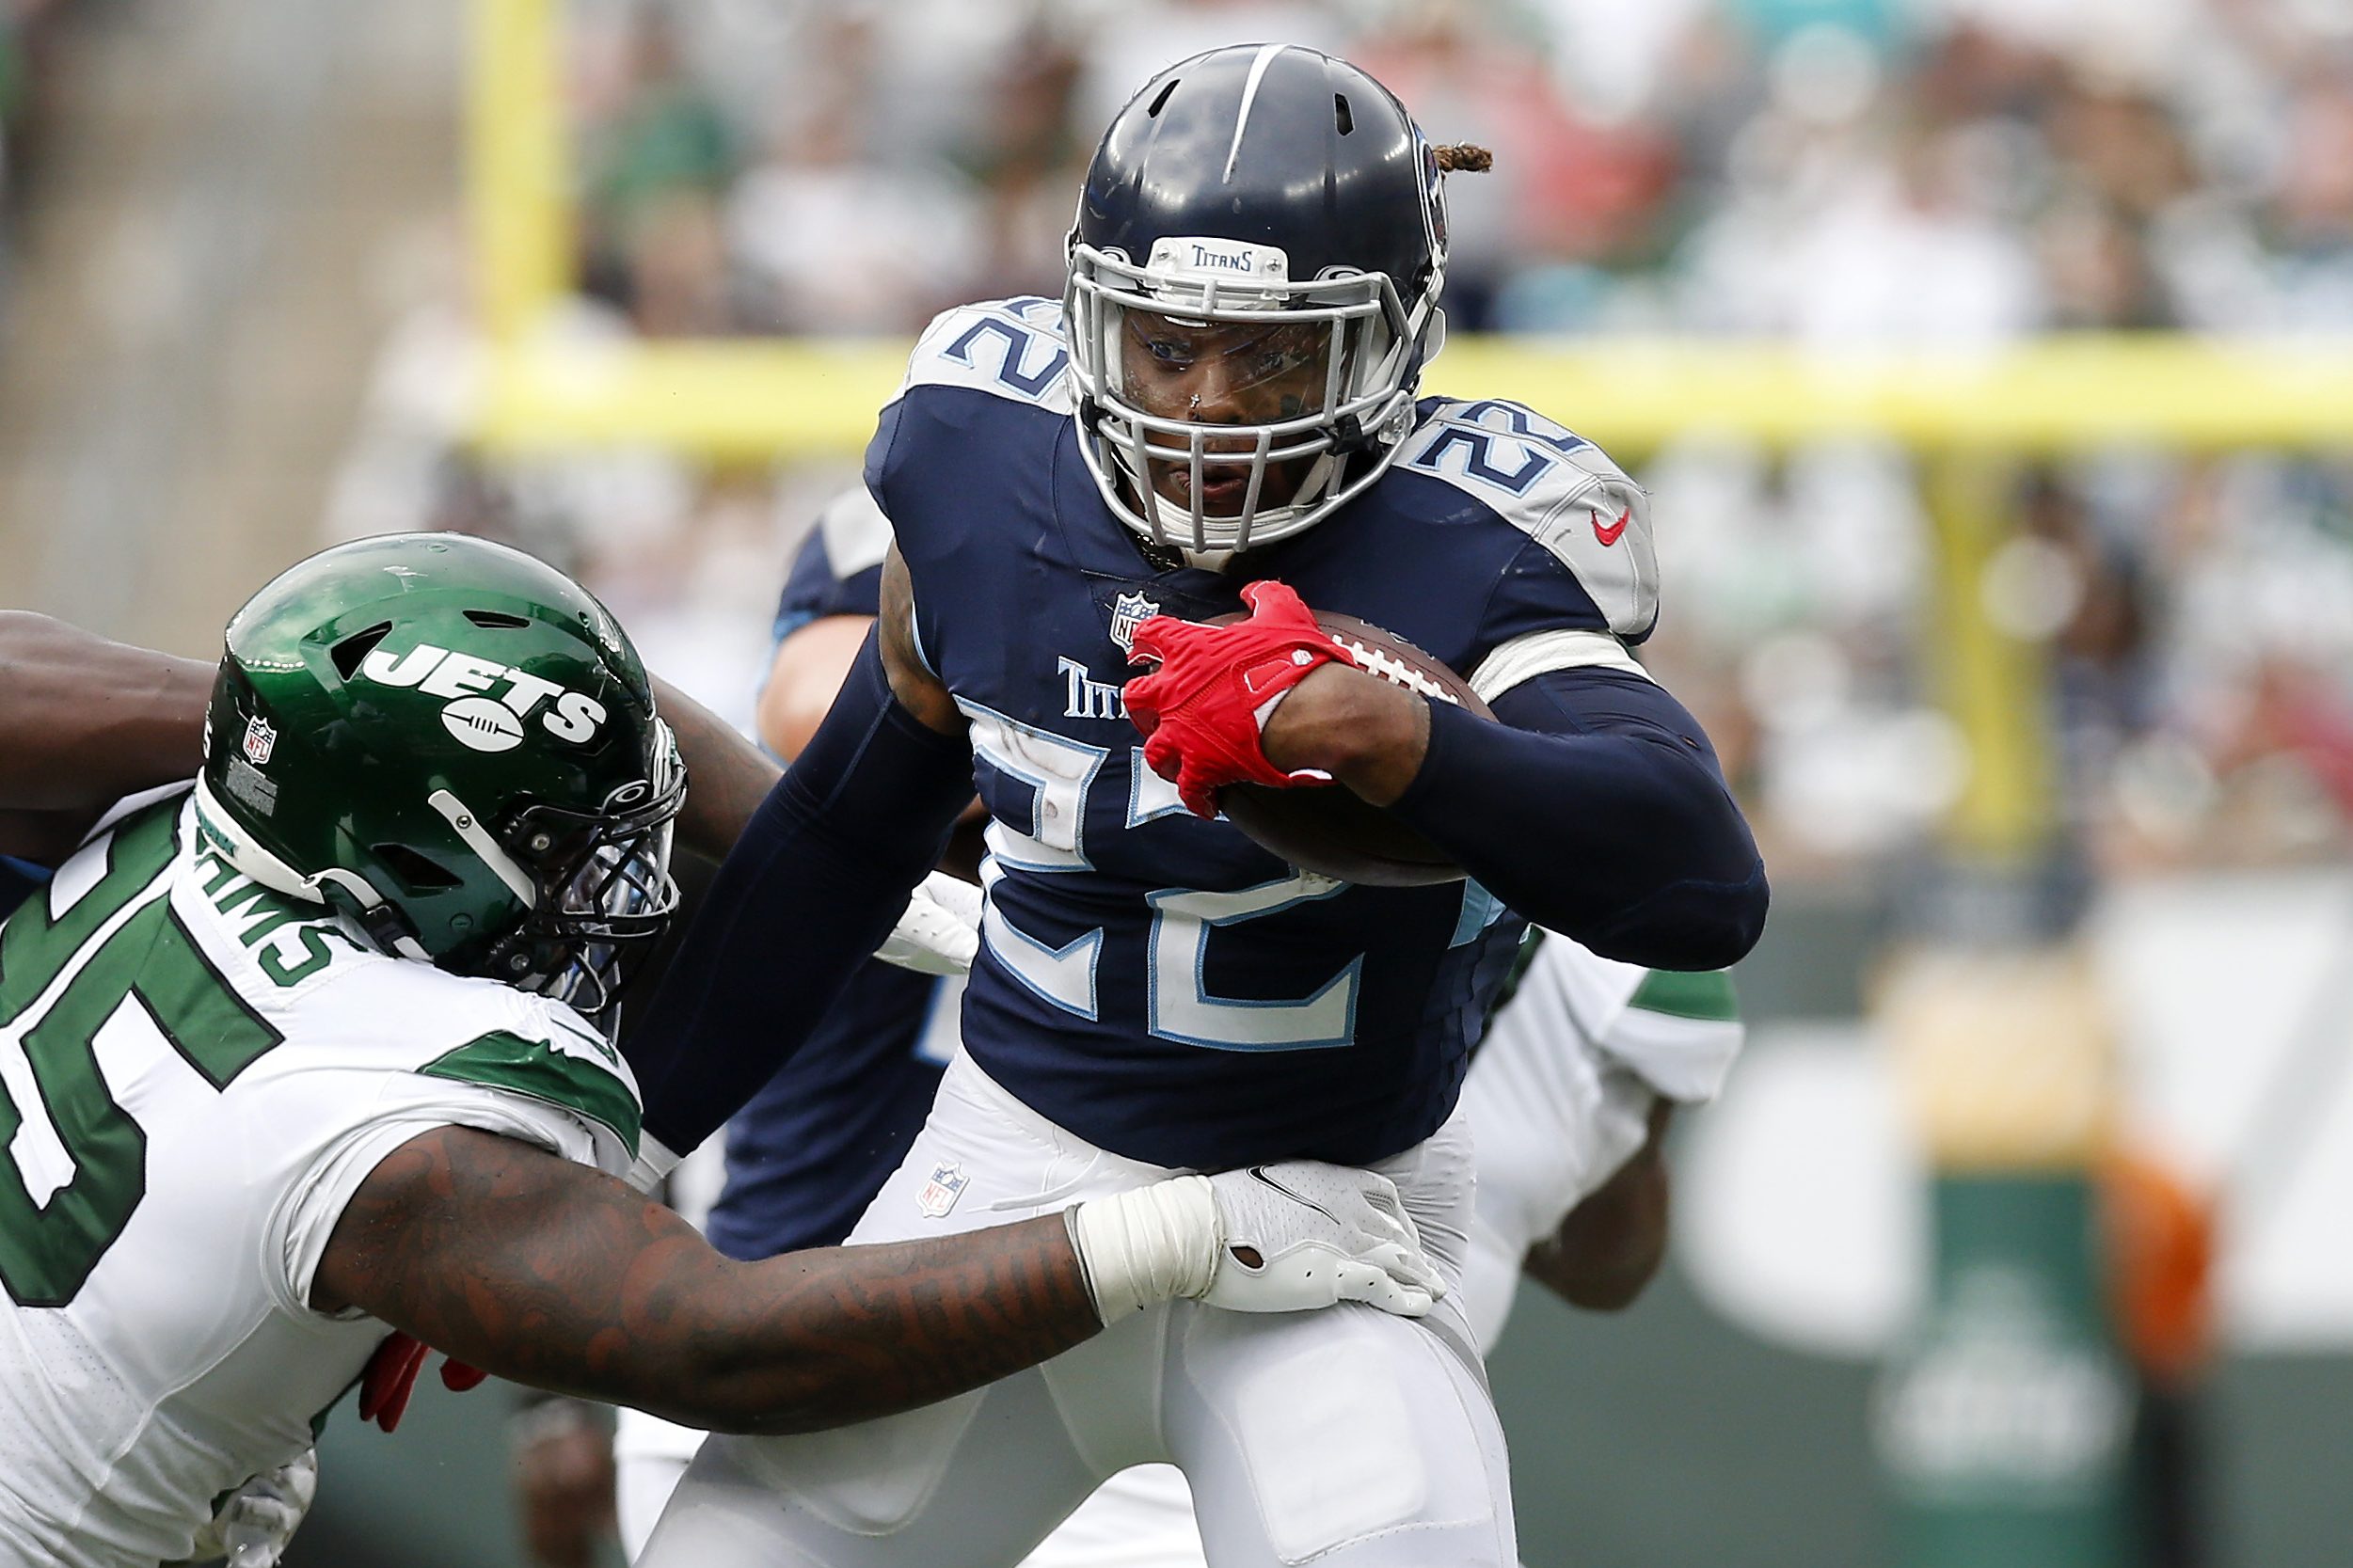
(1597,808)
(808,893)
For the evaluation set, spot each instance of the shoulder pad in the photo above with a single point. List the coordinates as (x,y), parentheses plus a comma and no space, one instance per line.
(1011,347)
(139,801)
(857,536)
(1555,486)
(553,1057)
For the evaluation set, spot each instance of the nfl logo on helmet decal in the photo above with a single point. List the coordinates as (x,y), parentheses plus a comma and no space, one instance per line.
(259,741)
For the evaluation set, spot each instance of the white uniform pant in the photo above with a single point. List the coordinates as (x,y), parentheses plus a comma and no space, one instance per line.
(1350,1436)
(649,1459)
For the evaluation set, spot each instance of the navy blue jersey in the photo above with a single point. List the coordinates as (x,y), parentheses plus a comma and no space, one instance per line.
(838,570)
(810,1150)
(1158,984)
(17,879)
(806,1154)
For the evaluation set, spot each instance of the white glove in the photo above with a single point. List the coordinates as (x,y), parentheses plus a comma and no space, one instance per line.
(939,931)
(259,1518)
(1279,1238)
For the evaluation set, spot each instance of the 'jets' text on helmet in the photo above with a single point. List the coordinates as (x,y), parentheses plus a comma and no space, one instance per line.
(455,745)
(1254,275)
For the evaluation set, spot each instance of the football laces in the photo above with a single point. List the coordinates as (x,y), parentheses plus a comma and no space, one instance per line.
(1388,666)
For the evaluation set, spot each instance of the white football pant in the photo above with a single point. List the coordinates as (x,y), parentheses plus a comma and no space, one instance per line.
(649,1459)
(1347,1436)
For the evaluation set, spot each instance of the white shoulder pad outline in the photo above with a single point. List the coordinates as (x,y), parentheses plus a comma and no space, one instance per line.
(1012,347)
(1555,486)
(857,534)
(1540,653)
(134,802)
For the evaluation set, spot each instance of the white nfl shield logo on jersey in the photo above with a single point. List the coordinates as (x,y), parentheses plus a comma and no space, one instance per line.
(260,741)
(940,1194)
(1128,612)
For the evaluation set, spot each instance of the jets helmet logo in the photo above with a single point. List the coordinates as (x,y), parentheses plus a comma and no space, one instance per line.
(485,723)
(478,715)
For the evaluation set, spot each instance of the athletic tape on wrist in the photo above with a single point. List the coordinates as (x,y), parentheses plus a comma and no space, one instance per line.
(1152,1244)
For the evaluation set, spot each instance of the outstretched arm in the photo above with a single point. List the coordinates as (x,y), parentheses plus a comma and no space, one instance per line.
(727,776)
(549,1273)
(1609,1246)
(812,889)
(542,1271)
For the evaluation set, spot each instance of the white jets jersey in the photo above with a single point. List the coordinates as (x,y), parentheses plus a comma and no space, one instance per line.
(1561,1091)
(196,1074)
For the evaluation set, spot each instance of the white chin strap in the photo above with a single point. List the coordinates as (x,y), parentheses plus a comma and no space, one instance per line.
(251,860)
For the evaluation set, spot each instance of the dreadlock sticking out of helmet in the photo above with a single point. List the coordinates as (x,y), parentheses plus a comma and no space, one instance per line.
(456,746)
(1254,275)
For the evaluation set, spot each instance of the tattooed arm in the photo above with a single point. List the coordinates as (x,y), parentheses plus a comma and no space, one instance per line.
(549,1273)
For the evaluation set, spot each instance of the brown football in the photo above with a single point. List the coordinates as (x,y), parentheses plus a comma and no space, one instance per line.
(1333,829)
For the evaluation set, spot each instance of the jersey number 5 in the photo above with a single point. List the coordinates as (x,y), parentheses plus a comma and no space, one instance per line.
(55,1226)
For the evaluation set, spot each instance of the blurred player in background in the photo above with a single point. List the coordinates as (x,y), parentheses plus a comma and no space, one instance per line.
(1254,293)
(365,944)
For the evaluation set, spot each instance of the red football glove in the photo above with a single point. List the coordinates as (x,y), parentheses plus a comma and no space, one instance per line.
(391,1375)
(1204,706)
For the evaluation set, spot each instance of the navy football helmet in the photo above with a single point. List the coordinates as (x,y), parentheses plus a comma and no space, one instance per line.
(1254,274)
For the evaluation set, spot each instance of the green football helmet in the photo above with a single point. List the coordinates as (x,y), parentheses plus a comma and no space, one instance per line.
(455,745)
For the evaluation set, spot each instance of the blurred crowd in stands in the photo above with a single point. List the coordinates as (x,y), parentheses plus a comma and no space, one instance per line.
(26,27)
(1828,168)
(1971,171)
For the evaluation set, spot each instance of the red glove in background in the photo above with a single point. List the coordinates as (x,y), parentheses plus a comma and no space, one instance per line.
(391,1373)
(1203,709)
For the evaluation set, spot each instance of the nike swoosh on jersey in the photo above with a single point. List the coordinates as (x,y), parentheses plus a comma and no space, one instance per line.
(1609,535)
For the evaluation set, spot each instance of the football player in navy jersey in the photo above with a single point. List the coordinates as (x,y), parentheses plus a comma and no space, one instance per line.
(1220,414)
(1568,1093)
